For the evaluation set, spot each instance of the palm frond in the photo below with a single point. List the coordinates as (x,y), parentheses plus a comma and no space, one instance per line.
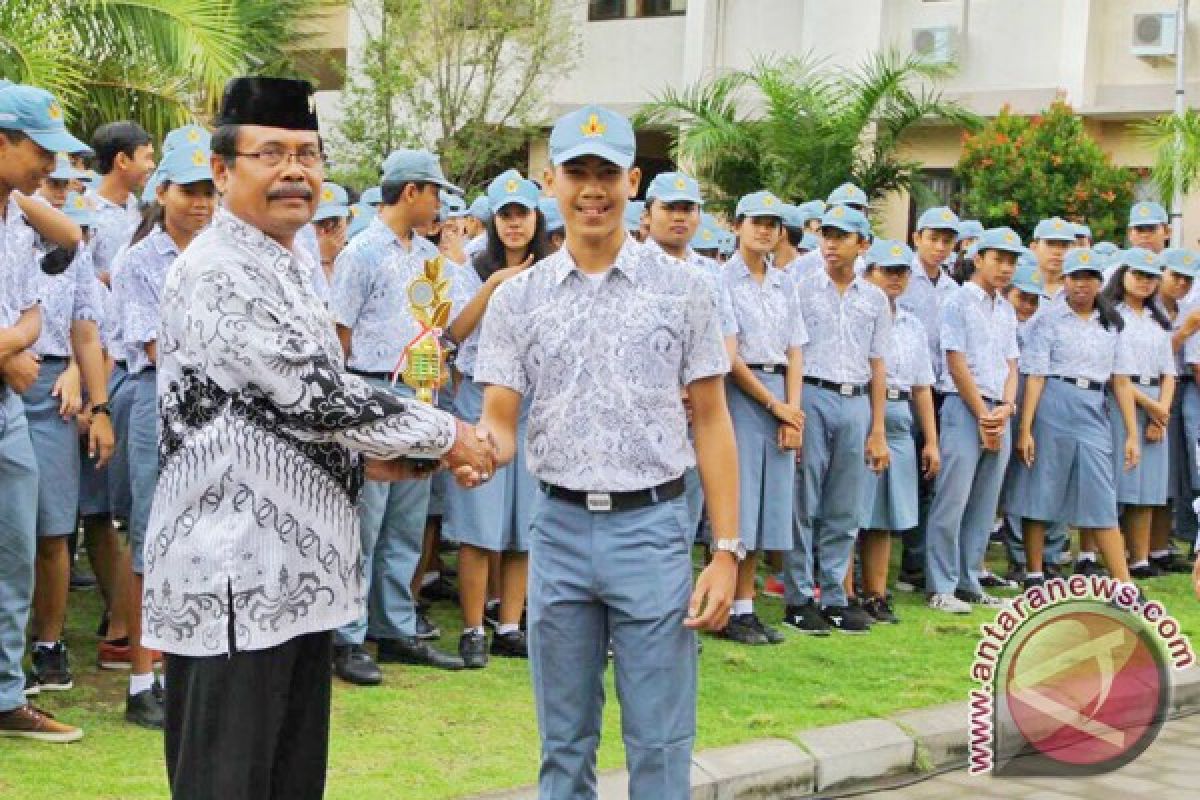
(1176,142)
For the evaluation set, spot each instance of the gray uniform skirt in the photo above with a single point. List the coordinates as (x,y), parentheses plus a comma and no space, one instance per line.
(496,515)
(106,490)
(766,474)
(890,497)
(56,447)
(1145,484)
(1072,478)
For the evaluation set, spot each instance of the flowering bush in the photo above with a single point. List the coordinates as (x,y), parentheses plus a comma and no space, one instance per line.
(1018,170)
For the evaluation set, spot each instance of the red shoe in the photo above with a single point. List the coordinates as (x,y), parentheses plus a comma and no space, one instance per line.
(111,655)
(773,587)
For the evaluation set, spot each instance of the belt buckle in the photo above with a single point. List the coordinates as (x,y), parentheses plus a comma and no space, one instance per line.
(1145,381)
(768,367)
(599,502)
(893,394)
(846,390)
(1083,383)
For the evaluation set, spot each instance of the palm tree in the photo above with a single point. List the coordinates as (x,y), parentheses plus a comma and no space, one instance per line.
(160,62)
(800,128)
(1176,141)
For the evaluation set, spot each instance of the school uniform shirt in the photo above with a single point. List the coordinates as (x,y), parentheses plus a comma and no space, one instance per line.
(906,354)
(476,245)
(18,259)
(138,286)
(370,297)
(983,328)
(923,299)
(713,277)
(114,228)
(69,297)
(1143,346)
(466,285)
(1062,344)
(254,521)
(767,316)
(1189,354)
(846,330)
(602,360)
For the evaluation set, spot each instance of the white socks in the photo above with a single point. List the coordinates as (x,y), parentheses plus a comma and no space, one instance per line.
(507,628)
(743,607)
(140,683)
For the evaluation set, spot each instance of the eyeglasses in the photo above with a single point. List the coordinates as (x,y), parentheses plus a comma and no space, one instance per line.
(274,156)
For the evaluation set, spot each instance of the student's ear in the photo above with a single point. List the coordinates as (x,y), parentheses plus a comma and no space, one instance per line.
(635,180)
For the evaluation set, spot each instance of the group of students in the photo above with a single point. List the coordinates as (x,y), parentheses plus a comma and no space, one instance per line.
(876,390)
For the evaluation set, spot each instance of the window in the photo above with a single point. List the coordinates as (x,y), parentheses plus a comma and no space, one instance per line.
(629,9)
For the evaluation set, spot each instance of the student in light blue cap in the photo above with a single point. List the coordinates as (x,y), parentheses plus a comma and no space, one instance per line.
(844,404)
(1065,471)
(707,239)
(1083,235)
(979,382)
(1149,226)
(1181,266)
(372,196)
(787,251)
(359,218)
(481,213)
(451,239)
(331,222)
(848,195)
(1052,239)
(812,211)
(554,222)
(889,498)
(492,521)
(610,558)
(635,210)
(1144,355)
(969,230)
(57,184)
(190,135)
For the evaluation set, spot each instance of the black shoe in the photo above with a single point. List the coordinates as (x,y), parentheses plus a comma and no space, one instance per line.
(1172,563)
(910,581)
(441,589)
(741,629)
(510,645)
(990,581)
(1146,571)
(145,709)
(881,609)
(472,648)
(855,608)
(82,581)
(53,668)
(979,599)
(1030,583)
(1015,576)
(1088,568)
(426,630)
(491,615)
(33,686)
(773,636)
(1052,571)
(353,664)
(806,619)
(411,650)
(844,619)
(102,628)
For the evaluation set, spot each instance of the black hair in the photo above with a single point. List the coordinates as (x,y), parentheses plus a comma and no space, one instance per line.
(794,235)
(16,137)
(777,220)
(224,143)
(390,191)
(494,256)
(1110,318)
(1114,293)
(152,215)
(115,138)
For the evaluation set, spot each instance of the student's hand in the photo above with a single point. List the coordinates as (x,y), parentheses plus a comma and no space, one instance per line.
(877,453)
(1192,323)
(1154,432)
(1026,448)
(1133,452)
(100,439)
(931,460)
(472,459)
(1159,413)
(788,415)
(708,608)
(501,275)
(69,392)
(990,435)
(788,438)
(20,371)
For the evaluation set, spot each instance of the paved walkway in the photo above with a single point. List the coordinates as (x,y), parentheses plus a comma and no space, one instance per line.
(1168,770)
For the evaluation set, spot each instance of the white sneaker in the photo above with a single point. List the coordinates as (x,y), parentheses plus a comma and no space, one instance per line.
(948,603)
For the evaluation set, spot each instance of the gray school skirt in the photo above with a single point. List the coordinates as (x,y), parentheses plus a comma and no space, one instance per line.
(890,497)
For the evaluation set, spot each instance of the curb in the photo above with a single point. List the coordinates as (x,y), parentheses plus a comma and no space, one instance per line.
(836,757)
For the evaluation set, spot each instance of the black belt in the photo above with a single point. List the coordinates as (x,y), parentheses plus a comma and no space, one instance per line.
(769,368)
(898,394)
(1082,383)
(986,399)
(1142,380)
(54,359)
(844,389)
(617,501)
(382,376)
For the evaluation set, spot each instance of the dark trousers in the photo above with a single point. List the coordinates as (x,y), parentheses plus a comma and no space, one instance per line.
(250,726)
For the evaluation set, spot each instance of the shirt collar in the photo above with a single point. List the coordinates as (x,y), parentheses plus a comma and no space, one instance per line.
(163,243)
(825,281)
(626,262)
(774,277)
(249,235)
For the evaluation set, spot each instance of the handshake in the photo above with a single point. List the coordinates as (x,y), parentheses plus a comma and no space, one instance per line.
(472,460)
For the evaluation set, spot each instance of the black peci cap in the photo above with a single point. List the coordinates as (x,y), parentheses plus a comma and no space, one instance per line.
(271,102)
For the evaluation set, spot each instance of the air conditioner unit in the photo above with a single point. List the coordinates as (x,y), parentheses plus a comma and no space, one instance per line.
(935,45)
(1154,34)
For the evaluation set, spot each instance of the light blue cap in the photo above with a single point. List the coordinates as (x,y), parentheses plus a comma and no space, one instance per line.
(1147,213)
(361,215)
(415,166)
(813,209)
(511,187)
(940,218)
(633,215)
(186,135)
(150,190)
(793,217)
(847,194)
(889,253)
(481,209)
(35,113)
(809,242)
(549,208)
(1004,239)
(969,229)
(1082,230)
(64,171)
(1181,260)
(372,196)
(593,131)
(1054,229)
(334,202)
(1105,248)
(1082,259)
(674,187)
(185,165)
(1026,276)
(728,243)
(1139,259)
(453,206)
(80,209)
(846,219)
(708,236)
(760,204)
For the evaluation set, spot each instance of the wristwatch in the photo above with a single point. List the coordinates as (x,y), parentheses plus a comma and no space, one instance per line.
(102,408)
(733,546)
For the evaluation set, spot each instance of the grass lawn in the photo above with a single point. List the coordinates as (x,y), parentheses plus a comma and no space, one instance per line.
(427,735)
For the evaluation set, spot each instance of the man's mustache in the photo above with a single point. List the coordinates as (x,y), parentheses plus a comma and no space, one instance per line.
(294,191)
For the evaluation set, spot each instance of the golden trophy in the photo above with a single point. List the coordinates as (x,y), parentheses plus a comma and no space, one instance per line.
(423,362)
